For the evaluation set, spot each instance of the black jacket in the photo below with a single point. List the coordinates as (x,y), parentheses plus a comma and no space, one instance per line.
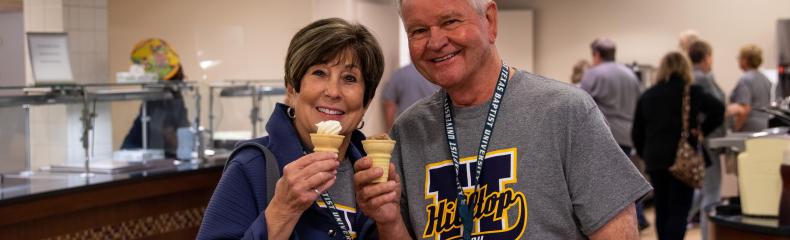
(657,120)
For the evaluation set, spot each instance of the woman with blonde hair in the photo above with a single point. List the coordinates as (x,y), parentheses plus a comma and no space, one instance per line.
(752,91)
(578,72)
(657,126)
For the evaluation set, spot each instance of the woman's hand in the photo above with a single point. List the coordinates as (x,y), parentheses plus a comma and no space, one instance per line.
(380,201)
(297,189)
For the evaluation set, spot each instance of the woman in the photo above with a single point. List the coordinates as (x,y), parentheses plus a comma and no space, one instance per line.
(752,91)
(332,70)
(165,116)
(578,72)
(656,132)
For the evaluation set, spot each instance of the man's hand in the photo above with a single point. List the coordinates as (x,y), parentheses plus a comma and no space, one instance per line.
(380,201)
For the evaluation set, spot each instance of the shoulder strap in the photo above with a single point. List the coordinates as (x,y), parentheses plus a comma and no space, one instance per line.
(686,109)
(272,168)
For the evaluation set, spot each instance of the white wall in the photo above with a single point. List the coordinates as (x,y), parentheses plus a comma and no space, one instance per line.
(382,20)
(646,30)
(249,37)
(515,40)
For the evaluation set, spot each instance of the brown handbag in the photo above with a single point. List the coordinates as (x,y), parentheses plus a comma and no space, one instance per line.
(689,166)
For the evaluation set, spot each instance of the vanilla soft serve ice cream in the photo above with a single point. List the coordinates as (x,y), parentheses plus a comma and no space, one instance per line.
(329,127)
(327,138)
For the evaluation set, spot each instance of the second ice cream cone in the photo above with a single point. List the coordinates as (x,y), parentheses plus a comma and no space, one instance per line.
(380,151)
(326,142)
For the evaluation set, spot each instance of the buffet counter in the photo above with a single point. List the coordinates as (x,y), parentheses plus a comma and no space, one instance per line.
(727,222)
(165,200)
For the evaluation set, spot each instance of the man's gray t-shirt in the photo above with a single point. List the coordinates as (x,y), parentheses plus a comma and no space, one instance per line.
(407,86)
(707,82)
(552,171)
(615,89)
(753,89)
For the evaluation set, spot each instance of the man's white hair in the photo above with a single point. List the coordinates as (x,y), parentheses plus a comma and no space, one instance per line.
(686,38)
(478,5)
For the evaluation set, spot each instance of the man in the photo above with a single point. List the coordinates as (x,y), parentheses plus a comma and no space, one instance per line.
(615,89)
(404,88)
(701,56)
(551,169)
(686,38)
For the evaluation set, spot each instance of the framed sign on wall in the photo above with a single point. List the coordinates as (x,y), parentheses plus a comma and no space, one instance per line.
(49,58)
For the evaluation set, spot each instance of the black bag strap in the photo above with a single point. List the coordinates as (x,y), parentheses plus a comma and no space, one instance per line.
(272,168)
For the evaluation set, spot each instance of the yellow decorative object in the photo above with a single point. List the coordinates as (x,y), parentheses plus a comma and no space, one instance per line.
(157,56)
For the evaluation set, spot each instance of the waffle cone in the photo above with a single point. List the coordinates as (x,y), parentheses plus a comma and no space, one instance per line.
(380,151)
(326,142)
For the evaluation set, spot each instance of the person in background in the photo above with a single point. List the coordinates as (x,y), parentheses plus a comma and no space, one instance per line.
(404,88)
(686,38)
(332,69)
(701,56)
(752,91)
(165,116)
(578,71)
(615,89)
(532,156)
(656,132)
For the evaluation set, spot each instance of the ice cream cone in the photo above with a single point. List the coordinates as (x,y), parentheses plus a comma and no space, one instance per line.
(326,142)
(380,151)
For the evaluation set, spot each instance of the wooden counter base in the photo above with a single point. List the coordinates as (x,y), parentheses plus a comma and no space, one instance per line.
(167,206)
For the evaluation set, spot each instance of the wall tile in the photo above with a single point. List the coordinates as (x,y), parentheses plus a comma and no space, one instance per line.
(89,42)
(100,3)
(81,3)
(75,59)
(54,19)
(87,17)
(52,3)
(101,19)
(90,68)
(77,41)
(74,18)
(33,3)
(37,20)
(67,18)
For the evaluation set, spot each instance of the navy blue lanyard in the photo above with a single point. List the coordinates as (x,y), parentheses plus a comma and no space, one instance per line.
(336,215)
(462,207)
(333,209)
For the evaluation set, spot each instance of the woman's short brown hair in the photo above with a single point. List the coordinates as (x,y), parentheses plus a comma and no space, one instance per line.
(325,39)
(752,54)
(674,64)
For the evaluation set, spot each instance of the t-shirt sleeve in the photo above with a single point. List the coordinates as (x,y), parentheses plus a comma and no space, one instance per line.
(232,211)
(602,181)
(398,162)
(389,92)
(588,82)
(741,93)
